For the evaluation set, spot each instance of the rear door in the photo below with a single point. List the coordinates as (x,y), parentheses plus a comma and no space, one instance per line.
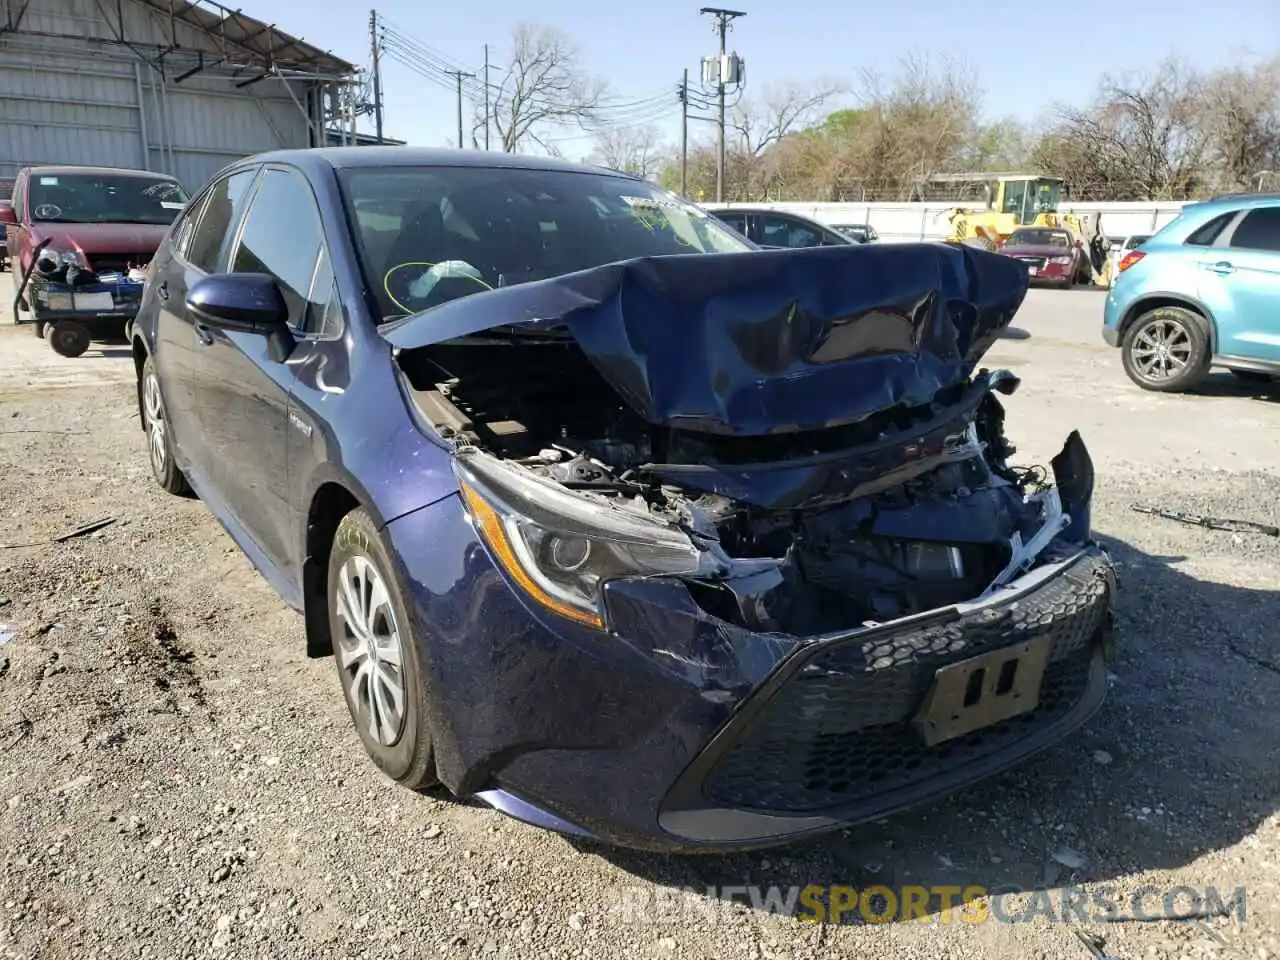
(242,391)
(198,245)
(1240,283)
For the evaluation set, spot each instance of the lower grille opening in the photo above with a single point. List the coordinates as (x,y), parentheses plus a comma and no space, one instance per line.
(839,732)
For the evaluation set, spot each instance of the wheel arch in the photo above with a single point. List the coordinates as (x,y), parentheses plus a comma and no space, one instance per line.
(330,502)
(140,354)
(1153,301)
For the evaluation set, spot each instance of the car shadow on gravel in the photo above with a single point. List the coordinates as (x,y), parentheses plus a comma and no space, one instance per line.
(1182,760)
(1222,383)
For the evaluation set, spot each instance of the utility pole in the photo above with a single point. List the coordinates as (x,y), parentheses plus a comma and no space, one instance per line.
(726,73)
(486,96)
(458,75)
(683,94)
(376,47)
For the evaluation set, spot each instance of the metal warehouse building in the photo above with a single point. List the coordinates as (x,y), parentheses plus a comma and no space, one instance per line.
(168,85)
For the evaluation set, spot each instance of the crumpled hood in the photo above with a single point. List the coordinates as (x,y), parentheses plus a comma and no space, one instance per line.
(762,342)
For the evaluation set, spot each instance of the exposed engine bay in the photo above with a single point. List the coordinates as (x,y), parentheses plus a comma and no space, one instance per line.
(900,525)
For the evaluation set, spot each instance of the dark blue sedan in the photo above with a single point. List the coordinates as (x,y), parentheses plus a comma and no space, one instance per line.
(611,519)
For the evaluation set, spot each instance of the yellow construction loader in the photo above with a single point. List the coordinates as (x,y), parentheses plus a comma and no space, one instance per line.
(991,206)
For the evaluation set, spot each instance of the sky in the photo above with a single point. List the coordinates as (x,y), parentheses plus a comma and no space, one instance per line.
(1024,61)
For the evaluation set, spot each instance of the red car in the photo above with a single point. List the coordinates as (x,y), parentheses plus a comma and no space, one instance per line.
(79,239)
(1053,257)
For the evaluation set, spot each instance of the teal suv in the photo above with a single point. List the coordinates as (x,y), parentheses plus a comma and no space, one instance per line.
(1203,292)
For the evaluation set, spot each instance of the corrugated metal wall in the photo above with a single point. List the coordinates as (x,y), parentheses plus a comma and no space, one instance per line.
(67,101)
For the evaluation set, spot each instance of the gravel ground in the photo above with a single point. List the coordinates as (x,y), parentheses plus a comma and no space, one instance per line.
(177,779)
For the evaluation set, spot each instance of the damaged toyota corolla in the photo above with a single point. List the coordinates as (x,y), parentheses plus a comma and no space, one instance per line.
(628,528)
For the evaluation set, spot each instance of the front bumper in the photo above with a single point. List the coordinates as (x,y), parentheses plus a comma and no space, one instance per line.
(831,739)
(678,731)
(95,304)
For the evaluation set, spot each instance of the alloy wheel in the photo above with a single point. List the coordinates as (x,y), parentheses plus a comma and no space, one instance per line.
(369,649)
(1161,350)
(154,406)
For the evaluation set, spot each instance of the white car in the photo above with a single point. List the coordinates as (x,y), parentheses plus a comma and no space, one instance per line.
(1119,247)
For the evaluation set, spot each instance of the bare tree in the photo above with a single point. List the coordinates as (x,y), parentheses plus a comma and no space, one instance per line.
(1144,137)
(542,86)
(636,150)
(783,109)
(1241,115)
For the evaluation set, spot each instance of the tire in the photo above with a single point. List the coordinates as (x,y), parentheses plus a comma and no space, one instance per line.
(128,331)
(68,338)
(360,567)
(981,243)
(1185,337)
(164,468)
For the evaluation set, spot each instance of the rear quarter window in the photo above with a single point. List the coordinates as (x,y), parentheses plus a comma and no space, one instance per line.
(1206,234)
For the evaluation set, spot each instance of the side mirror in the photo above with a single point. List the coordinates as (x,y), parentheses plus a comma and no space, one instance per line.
(7,213)
(244,302)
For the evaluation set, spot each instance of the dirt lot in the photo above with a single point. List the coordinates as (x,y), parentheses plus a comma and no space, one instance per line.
(176,779)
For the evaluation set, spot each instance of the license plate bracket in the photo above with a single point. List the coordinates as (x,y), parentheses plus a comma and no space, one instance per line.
(983,690)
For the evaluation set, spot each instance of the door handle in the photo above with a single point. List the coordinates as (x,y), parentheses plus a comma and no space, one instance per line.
(162,290)
(204,334)
(1221,268)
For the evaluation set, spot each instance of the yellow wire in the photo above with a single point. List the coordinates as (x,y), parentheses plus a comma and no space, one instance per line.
(386,281)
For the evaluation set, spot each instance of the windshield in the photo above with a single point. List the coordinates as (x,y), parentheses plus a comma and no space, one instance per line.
(1048,193)
(1039,238)
(431,234)
(105,198)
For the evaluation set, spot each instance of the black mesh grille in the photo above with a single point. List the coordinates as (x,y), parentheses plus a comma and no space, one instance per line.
(839,731)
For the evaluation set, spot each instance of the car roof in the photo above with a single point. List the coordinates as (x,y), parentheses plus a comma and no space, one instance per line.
(46,170)
(350,158)
(719,208)
(1233,201)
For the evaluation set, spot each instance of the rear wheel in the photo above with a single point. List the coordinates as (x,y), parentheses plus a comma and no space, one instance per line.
(1167,350)
(159,438)
(376,656)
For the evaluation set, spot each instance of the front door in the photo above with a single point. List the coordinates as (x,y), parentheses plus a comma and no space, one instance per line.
(1240,283)
(197,245)
(243,389)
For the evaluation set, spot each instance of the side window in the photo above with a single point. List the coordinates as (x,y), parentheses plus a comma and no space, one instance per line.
(1205,236)
(185,227)
(221,212)
(782,232)
(736,221)
(1259,230)
(324,304)
(282,237)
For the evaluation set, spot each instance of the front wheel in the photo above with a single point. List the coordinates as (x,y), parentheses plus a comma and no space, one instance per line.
(159,437)
(376,656)
(1167,350)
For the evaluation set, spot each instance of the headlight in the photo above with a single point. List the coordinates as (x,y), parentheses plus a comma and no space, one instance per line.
(1062,260)
(560,548)
(51,261)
